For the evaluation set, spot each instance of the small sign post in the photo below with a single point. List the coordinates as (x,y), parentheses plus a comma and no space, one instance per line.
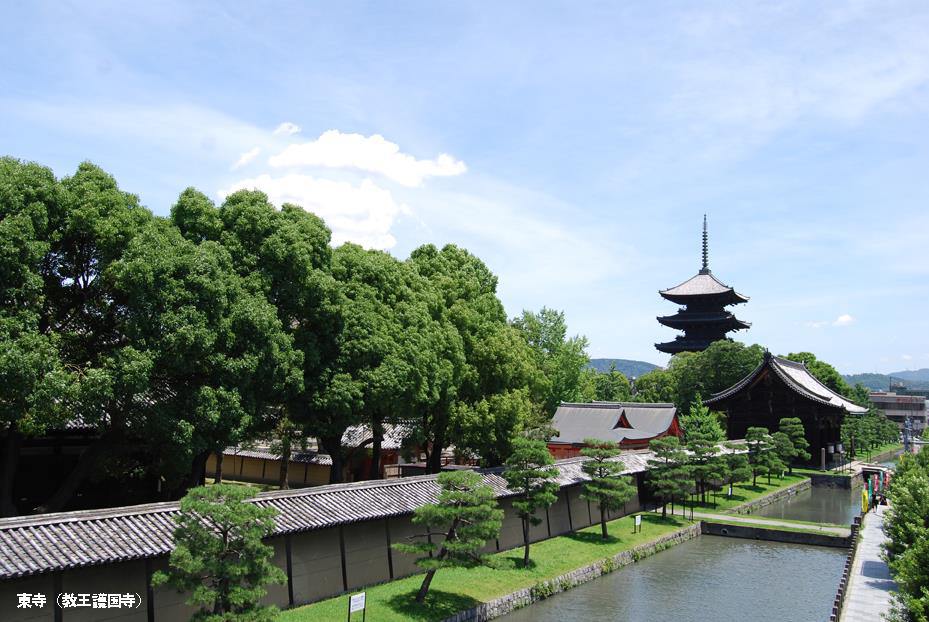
(638,523)
(356,602)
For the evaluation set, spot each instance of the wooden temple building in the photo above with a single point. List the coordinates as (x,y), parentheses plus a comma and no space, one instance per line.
(703,317)
(630,425)
(780,388)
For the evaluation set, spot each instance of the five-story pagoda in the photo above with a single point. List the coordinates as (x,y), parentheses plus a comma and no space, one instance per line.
(704,318)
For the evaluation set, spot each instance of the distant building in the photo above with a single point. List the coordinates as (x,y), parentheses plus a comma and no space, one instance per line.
(704,318)
(629,425)
(898,407)
(780,388)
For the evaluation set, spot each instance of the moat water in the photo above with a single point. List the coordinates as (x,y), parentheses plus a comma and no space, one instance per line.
(719,579)
(708,578)
(820,505)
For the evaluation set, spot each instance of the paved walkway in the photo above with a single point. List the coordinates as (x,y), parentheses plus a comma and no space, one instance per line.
(767,522)
(869,585)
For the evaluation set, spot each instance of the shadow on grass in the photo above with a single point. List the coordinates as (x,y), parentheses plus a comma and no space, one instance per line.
(656,519)
(592,538)
(437,606)
(513,560)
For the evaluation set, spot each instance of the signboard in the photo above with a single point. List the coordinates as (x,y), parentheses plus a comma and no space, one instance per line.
(638,523)
(356,603)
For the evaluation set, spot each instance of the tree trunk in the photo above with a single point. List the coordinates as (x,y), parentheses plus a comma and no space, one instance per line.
(218,474)
(333,446)
(664,510)
(11,444)
(286,452)
(525,542)
(85,465)
(603,533)
(197,475)
(435,457)
(378,437)
(421,595)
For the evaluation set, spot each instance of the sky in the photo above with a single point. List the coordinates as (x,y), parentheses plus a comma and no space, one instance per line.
(574,147)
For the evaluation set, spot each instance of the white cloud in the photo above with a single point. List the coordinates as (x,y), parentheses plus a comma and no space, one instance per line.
(363,214)
(246,157)
(287,129)
(907,357)
(373,154)
(844,320)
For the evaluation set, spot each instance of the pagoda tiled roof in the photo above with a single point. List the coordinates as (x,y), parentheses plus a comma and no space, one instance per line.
(692,318)
(797,378)
(703,284)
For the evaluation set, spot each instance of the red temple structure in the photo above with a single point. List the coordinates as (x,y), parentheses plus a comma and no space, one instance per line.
(629,425)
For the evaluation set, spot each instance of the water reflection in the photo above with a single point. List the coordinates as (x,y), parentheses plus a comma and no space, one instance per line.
(709,578)
(821,505)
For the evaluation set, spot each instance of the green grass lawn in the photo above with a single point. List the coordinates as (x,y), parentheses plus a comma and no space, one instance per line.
(745,492)
(455,589)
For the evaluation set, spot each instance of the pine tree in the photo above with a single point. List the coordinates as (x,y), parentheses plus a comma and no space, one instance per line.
(737,468)
(759,443)
(793,428)
(467,511)
(668,471)
(219,556)
(607,487)
(701,420)
(530,474)
(706,463)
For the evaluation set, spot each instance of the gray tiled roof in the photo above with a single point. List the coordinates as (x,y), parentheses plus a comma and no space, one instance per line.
(601,420)
(265,453)
(702,284)
(394,435)
(798,378)
(49,542)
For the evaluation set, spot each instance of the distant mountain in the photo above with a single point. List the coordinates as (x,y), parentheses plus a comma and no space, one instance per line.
(630,369)
(920,375)
(881,382)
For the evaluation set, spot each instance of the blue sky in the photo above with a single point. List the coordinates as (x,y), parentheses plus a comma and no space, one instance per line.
(573,146)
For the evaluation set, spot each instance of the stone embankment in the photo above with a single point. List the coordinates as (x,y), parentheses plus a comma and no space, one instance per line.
(540,591)
(774,497)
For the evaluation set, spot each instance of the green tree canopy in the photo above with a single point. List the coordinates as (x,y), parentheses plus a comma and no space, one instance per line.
(219,557)
(701,421)
(561,358)
(501,387)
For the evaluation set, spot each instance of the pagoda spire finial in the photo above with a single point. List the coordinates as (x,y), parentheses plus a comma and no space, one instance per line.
(706,252)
